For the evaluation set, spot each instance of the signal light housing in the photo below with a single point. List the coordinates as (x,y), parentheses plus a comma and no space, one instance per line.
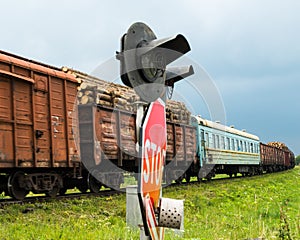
(144,59)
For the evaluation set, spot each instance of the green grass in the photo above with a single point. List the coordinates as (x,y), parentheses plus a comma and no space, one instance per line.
(246,208)
(95,218)
(259,207)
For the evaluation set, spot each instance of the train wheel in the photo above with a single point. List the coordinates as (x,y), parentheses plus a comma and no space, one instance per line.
(14,189)
(179,180)
(187,178)
(199,177)
(53,192)
(83,188)
(208,177)
(94,184)
(63,191)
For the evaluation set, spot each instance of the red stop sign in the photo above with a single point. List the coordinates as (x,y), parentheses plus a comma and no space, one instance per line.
(154,140)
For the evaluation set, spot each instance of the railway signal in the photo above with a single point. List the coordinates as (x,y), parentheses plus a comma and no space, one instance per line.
(144,59)
(154,148)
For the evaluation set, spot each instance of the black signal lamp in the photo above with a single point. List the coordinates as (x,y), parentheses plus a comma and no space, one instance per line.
(144,60)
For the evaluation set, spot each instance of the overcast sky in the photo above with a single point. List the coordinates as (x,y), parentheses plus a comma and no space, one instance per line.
(250,49)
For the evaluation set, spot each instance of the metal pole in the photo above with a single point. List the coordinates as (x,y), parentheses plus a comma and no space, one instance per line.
(139,120)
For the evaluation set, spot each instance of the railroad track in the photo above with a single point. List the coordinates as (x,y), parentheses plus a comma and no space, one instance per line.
(102,193)
(36,199)
(77,195)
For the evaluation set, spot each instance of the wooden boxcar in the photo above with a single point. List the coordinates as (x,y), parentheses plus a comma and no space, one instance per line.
(108,135)
(275,159)
(108,144)
(36,125)
(181,151)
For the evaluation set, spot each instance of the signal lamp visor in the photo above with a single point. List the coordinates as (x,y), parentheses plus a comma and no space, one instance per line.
(152,65)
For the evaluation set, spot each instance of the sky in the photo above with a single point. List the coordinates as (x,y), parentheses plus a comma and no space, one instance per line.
(246,53)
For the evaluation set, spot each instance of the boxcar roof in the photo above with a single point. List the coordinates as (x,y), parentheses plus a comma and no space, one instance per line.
(221,127)
(35,66)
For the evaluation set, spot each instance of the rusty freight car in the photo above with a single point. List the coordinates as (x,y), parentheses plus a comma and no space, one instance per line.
(275,158)
(36,126)
(107,123)
(108,145)
(181,151)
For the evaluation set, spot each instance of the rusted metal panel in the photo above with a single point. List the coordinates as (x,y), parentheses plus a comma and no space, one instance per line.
(266,154)
(40,82)
(15,123)
(10,74)
(23,64)
(5,99)
(181,145)
(72,122)
(287,158)
(191,142)
(271,155)
(23,149)
(116,132)
(37,103)
(6,145)
(42,124)
(20,70)
(6,124)
(279,157)
(54,103)
(89,145)
(23,132)
(23,98)
(5,67)
(58,122)
(128,135)
(171,142)
(107,133)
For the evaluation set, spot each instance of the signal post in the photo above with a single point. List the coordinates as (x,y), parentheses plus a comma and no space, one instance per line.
(143,64)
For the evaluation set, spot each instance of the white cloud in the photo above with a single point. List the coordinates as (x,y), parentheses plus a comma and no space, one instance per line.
(245,45)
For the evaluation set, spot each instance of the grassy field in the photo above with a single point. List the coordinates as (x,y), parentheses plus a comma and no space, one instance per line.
(266,207)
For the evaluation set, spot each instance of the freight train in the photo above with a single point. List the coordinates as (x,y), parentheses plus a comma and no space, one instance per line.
(56,134)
